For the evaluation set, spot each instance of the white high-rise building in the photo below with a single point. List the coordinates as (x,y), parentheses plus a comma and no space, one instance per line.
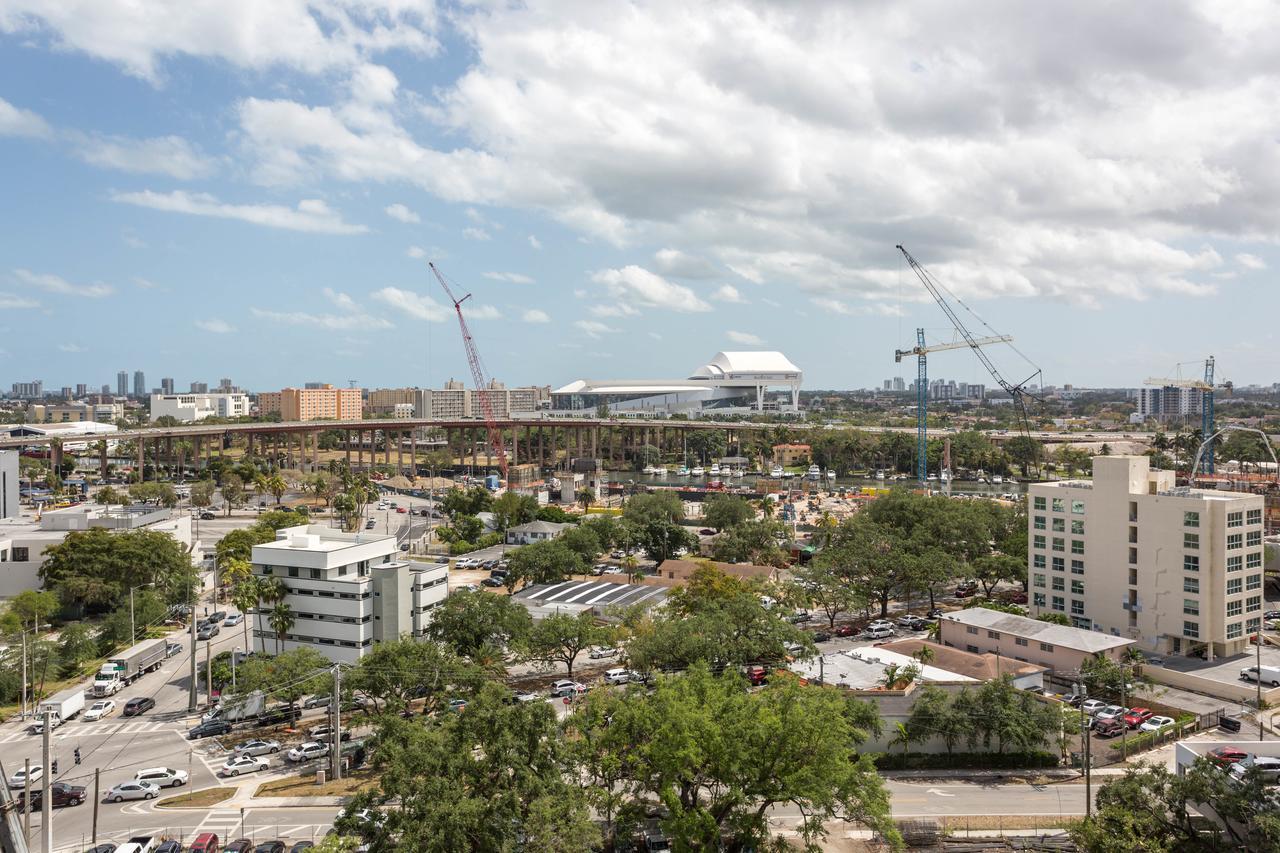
(346,591)
(1132,554)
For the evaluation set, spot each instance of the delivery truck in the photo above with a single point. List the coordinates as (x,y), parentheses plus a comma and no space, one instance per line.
(128,667)
(63,706)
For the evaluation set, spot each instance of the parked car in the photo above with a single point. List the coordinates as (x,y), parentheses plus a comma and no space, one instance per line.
(966,589)
(880,623)
(799,616)
(821,636)
(1110,712)
(207,516)
(1092,706)
(935,613)
(1225,756)
(913,623)
(138,705)
(99,710)
(205,842)
(1267,766)
(325,732)
(493,582)
(243,764)
(1109,728)
(527,696)
(756,675)
(617,676)
(601,652)
(370,524)
(240,845)
(877,633)
(305,845)
(210,728)
(272,846)
(258,747)
(320,700)
(279,714)
(173,649)
(162,777)
(848,629)
(308,751)
(233,620)
(565,687)
(1264,674)
(132,790)
(19,779)
(1156,723)
(1018,596)
(169,846)
(209,631)
(1137,716)
(62,795)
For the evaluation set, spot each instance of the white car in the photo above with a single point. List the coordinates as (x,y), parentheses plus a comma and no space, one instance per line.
(243,764)
(603,652)
(258,747)
(526,696)
(880,623)
(162,777)
(1155,724)
(37,728)
(617,676)
(565,687)
(233,620)
(1092,706)
(308,751)
(19,779)
(98,710)
(132,790)
(1110,712)
(878,633)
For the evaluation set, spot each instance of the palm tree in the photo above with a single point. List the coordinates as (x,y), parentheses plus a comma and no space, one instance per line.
(924,654)
(271,591)
(281,620)
(585,497)
(245,596)
(902,737)
(276,485)
(632,565)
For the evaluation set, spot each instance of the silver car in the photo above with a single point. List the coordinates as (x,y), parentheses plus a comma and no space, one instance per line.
(258,747)
(132,790)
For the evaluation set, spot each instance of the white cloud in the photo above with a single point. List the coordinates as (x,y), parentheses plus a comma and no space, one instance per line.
(401,213)
(835,306)
(1251,262)
(416,252)
(745,338)
(165,155)
(616,309)
(307,35)
(637,285)
(680,264)
(57,284)
(414,304)
(70,348)
(215,326)
(144,283)
(481,312)
(12,300)
(535,315)
(535,243)
(311,215)
(15,121)
(352,316)
(594,328)
(475,234)
(728,293)
(513,277)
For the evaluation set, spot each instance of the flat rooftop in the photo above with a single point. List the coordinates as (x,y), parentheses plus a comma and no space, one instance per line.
(1044,632)
(321,538)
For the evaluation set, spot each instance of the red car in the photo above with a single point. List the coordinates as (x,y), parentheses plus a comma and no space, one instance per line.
(1108,728)
(401,509)
(757,675)
(1137,716)
(1225,756)
(848,629)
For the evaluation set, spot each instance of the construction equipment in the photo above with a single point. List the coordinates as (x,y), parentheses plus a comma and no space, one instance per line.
(478,374)
(1206,450)
(921,351)
(1206,388)
(1017,391)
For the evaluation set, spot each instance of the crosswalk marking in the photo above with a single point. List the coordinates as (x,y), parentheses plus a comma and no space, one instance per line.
(73,731)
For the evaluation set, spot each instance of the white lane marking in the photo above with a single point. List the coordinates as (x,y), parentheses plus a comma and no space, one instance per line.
(936,792)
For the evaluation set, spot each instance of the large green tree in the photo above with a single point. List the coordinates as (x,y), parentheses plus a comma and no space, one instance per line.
(286,677)
(724,510)
(754,541)
(399,671)
(476,625)
(562,637)
(96,567)
(549,561)
(512,509)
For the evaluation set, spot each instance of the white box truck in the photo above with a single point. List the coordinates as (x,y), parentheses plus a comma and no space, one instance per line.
(64,706)
(1265,674)
(128,667)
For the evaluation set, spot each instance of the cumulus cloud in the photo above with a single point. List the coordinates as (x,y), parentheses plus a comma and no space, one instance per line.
(678,264)
(311,215)
(594,328)
(512,277)
(165,155)
(352,316)
(728,293)
(57,284)
(416,252)
(744,338)
(215,326)
(535,315)
(1250,262)
(401,213)
(15,121)
(12,300)
(615,309)
(414,304)
(636,285)
(475,234)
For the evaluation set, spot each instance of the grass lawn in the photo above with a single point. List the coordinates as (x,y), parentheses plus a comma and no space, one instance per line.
(305,786)
(198,799)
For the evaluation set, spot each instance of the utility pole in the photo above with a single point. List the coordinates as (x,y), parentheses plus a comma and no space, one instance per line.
(97,798)
(1257,648)
(191,696)
(26,806)
(208,672)
(1088,766)
(46,803)
(336,752)
(24,675)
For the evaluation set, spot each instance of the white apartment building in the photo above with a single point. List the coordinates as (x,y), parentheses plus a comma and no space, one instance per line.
(8,484)
(346,591)
(1132,554)
(189,408)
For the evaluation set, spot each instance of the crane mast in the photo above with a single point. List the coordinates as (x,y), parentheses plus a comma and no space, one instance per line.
(478,375)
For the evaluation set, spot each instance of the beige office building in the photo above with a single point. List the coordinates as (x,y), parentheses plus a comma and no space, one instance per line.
(455,401)
(1132,554)
(325,403)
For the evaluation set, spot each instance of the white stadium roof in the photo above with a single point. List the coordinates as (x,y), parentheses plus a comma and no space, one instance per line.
(726,364)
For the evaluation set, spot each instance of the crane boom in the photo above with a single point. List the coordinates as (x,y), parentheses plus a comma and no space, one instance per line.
(496,443)
(982,342)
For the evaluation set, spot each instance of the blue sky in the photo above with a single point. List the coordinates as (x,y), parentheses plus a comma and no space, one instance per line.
(253,189)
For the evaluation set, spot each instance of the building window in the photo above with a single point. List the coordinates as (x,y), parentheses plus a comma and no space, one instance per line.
(972,649)
(1077,527)
(1046,647)
(1037,541)
(1059,604)
(1253,624)
(21,553)
(1255,516)
(1038,502)
(1190,607)
(1059,544)
(1253,582)
(1037,561)
(1253,538)
(1234,586)
(315,574)
(1038,522)
(293,571)
(1059,564)
(993,635)
(1019,641)
(1190,563)
(1058,584)
(970,629)
(1058,504)
(1037,598)
(1191,519)
(1254,560)
(1077,546)
(1234,630)
(1235,519)
(342,570)
(1233,563)
(1077,587)
(1191,585)
(1077,607)
(1038,581)
(1235,608)
(1191,629)
(1191,541)
(1077,507)
(1235,541)
(1077,567)
(1059,525)
(1252,603)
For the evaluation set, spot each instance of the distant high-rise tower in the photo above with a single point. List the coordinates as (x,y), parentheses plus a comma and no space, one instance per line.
(199,387)
(106,390)
(166,385)
(225,386)
(82,390)
(122,384)
(139,384)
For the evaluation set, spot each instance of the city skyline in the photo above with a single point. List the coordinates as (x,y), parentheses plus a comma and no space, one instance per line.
(214,202)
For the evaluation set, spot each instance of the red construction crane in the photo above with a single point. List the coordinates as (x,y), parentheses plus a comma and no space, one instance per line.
(477,374)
